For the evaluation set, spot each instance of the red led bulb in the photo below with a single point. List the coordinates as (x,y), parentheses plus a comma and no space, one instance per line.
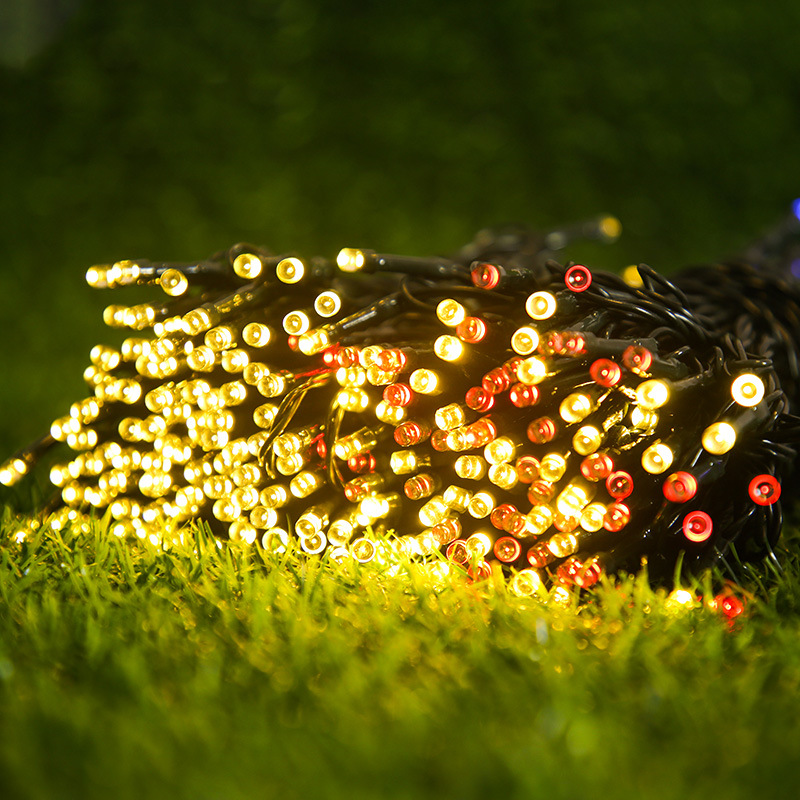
(496,380)
(522,395)
(574,571)
(637,358)
(680,487)
(597,466)
(578,278)
(507,549)
(515,524)
(398,394)
(575,345)
(729,605)
(472,330)
(439,441)
(392,360)
(478,399)
(527,469)
(617,516)
(361,463)
(764,490)
(485,276)
(407,434)
(539,556)
(605,372)
(553,344)
(542,430)
(481,571)
(500,514)
(457,551)
(347,357)
(697,526)
(619,484)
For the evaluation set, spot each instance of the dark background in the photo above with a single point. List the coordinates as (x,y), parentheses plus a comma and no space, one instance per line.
(169,129)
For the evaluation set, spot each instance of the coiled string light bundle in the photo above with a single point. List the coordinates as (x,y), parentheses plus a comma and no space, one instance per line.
(495,406)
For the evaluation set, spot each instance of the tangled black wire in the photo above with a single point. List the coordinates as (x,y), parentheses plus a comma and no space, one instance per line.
(493,406)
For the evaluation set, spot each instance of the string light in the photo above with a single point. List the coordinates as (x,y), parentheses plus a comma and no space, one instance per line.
(558,421)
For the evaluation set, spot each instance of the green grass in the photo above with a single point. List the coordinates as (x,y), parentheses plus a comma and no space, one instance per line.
(127,671)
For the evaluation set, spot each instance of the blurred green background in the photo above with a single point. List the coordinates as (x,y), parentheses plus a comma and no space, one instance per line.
(169,129)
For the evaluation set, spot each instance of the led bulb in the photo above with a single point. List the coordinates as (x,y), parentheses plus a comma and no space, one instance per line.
(697,526)
(450,312)
(593,517)
(201,359)
(657,458)
(552,467)
(420,486)
(275,540)
(173,282)
(718,438)
(526,583)
(449,417)
(234,360)
(572,500)
(448,348)
(401,462)
(680,487)
(290,270)
(247,266)
(503,475)
(652,394)
(424,381)
(305,483)
(363,550)
(578,278)
(499,451)
(478,545)
(507,549)
(531,371)
(605,372)
(433,512)
(562,545)
(296,323)
(540,305)
(542,430)
(470,467)
(485,276)
(764,490)
(596,467)
(747,390)
(525,340)
(256,334)
(619,485)
(314,341)
(457,498)
(637,359)
(643,419)
(471,330)
(327,304)
(586,440)
(481,505)
(575,407)
(350,259)
(313,544)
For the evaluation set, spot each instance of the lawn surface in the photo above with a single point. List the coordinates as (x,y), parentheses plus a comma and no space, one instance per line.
(128,671)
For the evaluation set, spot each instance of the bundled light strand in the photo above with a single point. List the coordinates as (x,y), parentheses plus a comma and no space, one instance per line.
(495,406)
